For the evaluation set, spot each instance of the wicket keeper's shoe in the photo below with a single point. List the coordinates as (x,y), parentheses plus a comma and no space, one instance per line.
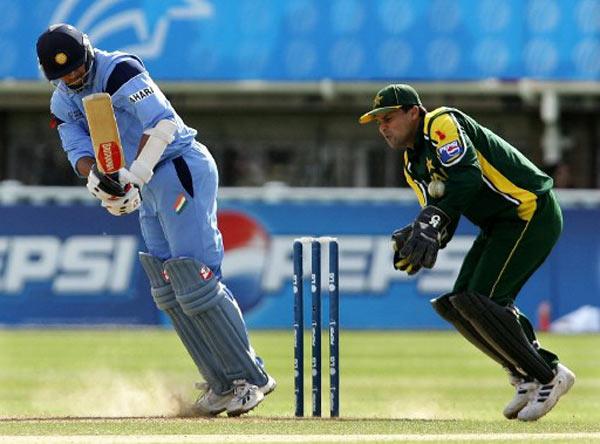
(546,396)
(246,396)
(210,403)
(524,392)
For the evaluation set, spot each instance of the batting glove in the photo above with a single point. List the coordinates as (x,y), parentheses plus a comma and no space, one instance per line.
(103,187)
(130,202)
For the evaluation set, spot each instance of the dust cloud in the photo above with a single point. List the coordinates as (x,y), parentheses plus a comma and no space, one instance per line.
(109,394)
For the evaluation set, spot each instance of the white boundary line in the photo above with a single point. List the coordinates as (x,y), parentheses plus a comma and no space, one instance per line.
(204,439)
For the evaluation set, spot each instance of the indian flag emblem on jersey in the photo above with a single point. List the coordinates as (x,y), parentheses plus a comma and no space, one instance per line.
(180,203)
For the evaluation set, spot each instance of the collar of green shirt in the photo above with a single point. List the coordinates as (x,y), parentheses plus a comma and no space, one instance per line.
(419,141)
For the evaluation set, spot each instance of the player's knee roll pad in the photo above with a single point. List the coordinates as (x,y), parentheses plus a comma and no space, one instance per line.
(161,290)
(164,298)
(447,311)
(196,288)
(444,308)
(153,267)
(205,300)
(499,326)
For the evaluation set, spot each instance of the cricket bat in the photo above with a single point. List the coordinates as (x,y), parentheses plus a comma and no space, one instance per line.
(104,133)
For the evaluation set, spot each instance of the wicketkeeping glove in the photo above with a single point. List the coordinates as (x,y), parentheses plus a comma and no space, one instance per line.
(399,238)
(428,229)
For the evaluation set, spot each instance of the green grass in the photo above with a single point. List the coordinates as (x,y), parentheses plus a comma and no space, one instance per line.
(140,382)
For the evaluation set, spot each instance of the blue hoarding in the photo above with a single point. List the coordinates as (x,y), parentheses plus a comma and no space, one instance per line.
(296,40)
(63,265)
(55,269)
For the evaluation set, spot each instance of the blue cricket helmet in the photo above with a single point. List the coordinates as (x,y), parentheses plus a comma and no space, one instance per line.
(61,49)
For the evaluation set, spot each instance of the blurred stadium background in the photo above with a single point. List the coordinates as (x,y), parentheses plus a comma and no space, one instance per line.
(275,88)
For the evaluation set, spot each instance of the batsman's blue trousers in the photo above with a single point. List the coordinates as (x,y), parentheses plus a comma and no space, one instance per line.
(178,215)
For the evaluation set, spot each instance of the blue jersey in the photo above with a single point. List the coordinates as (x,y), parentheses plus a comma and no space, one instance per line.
(178,215)
(138,103)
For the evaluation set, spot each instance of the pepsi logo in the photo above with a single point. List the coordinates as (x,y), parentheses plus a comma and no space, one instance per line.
(246,250)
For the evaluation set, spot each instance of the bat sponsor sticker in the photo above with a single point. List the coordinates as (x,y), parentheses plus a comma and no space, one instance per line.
(109,157)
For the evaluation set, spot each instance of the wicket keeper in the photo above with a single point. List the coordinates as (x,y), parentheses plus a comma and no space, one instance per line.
(172,179)
(457,167)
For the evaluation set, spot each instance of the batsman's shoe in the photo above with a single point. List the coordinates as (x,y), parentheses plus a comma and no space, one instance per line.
(269,386)
(524,391)
(246,396)
(547,395)
(210,403)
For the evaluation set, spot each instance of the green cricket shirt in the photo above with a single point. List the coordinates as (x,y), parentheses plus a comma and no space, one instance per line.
(484,176)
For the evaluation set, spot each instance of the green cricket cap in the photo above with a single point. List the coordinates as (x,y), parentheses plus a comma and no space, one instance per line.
(390,98)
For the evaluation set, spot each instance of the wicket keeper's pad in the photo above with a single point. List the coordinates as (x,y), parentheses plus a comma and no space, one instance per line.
(446,310)
(186,329)
(500,328)
(211,308)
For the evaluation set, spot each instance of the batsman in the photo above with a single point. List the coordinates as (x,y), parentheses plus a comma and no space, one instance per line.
(156,166)
(457,167)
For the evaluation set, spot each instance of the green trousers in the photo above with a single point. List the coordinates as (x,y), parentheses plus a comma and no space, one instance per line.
(507,252)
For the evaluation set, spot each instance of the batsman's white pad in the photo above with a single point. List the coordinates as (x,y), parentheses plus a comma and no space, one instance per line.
(205,300)
(186,329)
(160,137)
